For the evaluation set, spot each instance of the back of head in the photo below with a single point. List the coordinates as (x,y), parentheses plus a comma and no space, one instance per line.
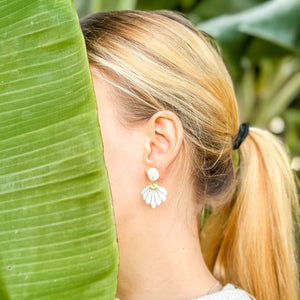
(159,61)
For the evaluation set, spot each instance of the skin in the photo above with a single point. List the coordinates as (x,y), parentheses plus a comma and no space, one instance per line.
(160,256)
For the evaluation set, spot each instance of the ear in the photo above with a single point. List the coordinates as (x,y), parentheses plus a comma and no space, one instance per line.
(164,140)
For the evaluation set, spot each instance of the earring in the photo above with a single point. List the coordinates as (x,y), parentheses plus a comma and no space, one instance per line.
(154,194)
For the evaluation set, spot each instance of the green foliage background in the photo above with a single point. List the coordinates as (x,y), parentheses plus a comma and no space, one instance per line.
(260,42)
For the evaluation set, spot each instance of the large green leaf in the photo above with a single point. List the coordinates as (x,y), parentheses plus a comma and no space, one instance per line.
(57,232)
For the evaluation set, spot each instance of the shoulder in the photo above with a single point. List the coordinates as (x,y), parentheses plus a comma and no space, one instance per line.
(229,292)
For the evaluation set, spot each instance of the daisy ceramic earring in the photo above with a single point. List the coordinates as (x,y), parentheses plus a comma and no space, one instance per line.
(154,194)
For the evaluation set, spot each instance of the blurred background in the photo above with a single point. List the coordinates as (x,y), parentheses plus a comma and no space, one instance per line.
(260,43)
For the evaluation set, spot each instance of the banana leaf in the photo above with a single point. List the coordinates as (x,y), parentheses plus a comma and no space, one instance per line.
(57,232)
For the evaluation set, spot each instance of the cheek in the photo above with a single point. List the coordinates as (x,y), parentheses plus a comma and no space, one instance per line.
(123,158)
(118,158)
(123,166)
(123,150)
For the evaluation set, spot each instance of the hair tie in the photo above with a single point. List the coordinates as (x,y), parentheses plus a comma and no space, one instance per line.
(242,134)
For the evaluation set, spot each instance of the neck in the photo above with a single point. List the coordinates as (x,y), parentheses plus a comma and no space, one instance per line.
(160,257)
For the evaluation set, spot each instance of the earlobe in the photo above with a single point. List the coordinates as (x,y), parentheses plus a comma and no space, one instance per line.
(165,136)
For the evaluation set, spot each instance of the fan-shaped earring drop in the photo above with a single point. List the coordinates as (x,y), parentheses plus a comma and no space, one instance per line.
(154,194)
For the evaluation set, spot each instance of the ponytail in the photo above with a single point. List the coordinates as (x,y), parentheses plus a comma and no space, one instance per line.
(250,241)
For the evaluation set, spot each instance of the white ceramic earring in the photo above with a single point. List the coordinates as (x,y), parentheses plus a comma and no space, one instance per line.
(154,194)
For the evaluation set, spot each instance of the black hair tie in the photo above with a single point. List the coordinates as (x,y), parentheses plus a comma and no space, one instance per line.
(242,134)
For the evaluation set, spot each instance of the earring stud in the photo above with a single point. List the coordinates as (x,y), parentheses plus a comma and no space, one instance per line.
(154,194)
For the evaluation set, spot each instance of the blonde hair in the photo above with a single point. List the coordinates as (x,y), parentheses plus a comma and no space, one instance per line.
(157,60)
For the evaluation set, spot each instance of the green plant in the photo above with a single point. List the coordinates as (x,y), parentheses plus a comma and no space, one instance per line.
(85,7)
(57,232)
(261,47)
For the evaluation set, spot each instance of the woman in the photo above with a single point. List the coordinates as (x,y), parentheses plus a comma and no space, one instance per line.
(166,104)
